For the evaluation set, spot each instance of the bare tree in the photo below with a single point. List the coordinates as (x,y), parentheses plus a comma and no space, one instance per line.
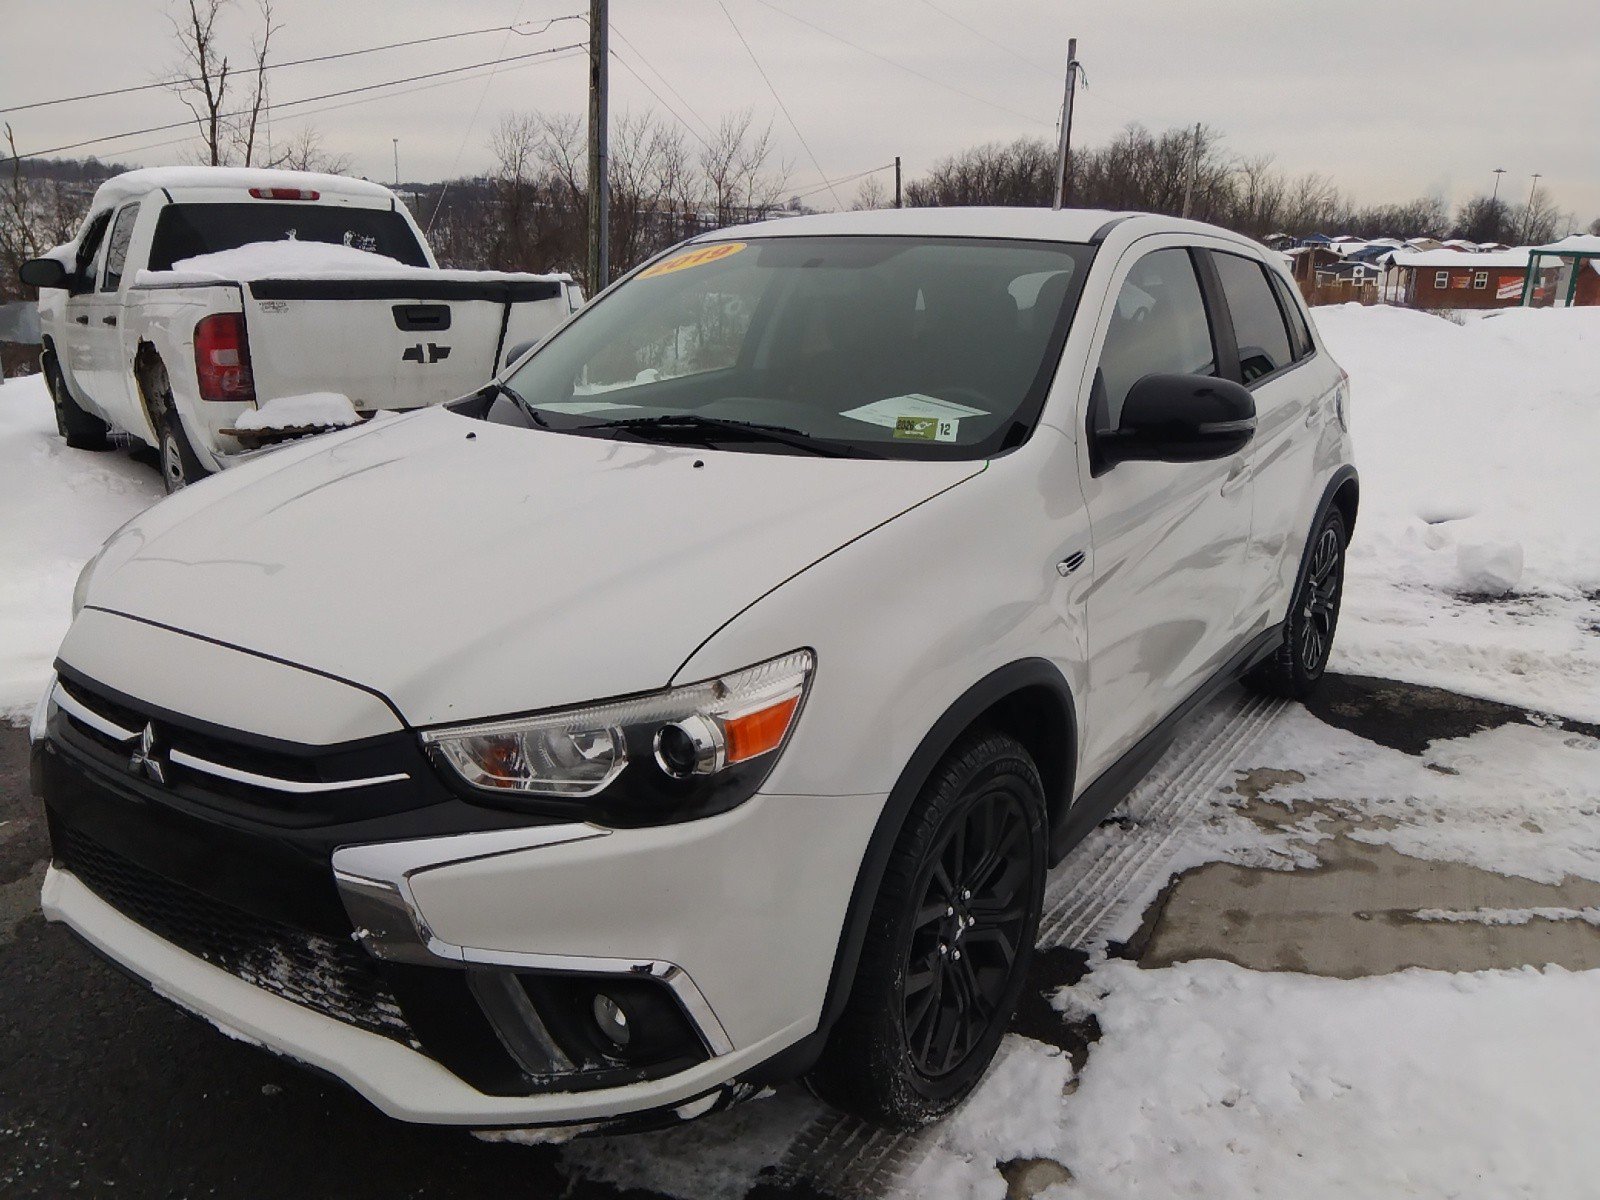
(871,194)
(305,151)
(741,184)
(205,74)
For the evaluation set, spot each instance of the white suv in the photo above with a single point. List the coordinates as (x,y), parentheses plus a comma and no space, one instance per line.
(701,704)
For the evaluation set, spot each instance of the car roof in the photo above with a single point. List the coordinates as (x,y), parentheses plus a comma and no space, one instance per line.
(1079,225)
(132,184)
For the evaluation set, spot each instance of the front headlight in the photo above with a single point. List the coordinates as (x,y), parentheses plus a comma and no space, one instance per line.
(657,754)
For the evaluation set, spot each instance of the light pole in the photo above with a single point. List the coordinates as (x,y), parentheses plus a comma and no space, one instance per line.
(1527,218)
(396,162)
(1498,171)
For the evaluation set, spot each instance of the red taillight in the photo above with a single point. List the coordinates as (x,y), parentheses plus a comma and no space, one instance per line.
(222,358)
(284,194)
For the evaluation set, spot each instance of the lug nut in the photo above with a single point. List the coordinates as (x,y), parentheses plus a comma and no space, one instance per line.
(943,949)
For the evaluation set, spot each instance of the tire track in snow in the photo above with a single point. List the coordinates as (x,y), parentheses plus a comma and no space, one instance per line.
(843,1157)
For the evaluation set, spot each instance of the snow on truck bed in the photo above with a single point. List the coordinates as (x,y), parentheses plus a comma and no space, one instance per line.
(290,259)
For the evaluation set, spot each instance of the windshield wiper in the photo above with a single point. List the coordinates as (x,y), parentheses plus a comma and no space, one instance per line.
(714,429)
(495,388)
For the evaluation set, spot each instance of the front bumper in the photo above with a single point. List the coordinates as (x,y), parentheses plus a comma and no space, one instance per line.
(367,947)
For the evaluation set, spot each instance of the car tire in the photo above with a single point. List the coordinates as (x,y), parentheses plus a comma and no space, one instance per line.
(82,430)
(1299,662)
(180,465)
(948,944)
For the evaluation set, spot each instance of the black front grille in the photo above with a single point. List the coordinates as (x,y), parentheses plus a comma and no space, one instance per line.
(317,972)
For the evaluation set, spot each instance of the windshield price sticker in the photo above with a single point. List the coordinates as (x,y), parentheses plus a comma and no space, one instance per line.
(694,258)
(926,429)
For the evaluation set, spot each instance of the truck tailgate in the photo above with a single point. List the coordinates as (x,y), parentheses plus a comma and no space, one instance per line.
(390,343)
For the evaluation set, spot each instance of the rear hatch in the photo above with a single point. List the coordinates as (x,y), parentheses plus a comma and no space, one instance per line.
(392,343)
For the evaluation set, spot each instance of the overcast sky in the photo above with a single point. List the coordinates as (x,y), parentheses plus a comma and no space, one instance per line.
(1394,98)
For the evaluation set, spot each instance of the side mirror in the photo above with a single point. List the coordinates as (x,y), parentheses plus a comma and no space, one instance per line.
(1180,418)
(44,273)
(517,351)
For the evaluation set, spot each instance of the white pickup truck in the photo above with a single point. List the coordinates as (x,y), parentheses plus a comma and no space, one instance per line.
(213,312)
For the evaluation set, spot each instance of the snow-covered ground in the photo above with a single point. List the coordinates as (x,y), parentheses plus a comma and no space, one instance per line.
(56,507)
(1476,445)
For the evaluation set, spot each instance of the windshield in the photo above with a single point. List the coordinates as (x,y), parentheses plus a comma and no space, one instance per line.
(189,230)
(891,346)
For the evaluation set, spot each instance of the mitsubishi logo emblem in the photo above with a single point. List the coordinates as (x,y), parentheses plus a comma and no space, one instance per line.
(144,761)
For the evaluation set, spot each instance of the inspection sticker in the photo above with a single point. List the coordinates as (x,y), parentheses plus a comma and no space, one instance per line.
(694,258)
(916,416)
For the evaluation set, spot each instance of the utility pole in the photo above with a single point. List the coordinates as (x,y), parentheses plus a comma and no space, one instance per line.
(1063,187)
(1527,217)
(397,162)
(1194,166)
(599,162)
(897,181)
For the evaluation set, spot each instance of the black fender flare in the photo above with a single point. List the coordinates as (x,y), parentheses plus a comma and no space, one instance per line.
(981,697)
(1336,482)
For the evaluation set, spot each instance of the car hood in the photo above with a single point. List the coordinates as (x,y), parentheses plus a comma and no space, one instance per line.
(466,570)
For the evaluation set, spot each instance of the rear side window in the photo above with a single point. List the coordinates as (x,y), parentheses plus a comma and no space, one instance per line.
(1257,320)
(1299,331)
(188,230)
(1159,327)
(117,247)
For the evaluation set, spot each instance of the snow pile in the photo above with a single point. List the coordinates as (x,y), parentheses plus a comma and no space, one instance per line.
(1211,1080)
(1509,916)
(273,260)
(313,410)
(59,505)
(1476,448)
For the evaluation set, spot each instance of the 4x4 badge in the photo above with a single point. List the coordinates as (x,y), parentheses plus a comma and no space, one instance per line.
(144,760)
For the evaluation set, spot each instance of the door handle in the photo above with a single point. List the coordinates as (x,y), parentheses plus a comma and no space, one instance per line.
(108,320)
(1235,479)
(1070,563)
(83,320)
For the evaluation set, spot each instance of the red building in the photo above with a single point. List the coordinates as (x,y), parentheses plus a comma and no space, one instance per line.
(1436,279)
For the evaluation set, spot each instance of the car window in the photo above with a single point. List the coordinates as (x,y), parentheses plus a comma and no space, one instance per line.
(1300,332)
(117,247)
(905,347)
(1158,327)
(189,230)
(89,245)
(1257,320)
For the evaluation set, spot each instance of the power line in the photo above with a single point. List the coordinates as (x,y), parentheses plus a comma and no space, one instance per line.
(455,165)
(303,100)
(645,83)
(426,87)
(949,87)
(667,83)
(976,32)
(779,99)
(298,62)
(847,179)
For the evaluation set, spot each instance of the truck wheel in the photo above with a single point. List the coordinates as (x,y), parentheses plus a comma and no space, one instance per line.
(1296,666)
(83,431)
(180,466)
(949,942)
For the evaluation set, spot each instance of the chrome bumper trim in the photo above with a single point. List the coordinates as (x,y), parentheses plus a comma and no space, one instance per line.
(375,883)
(82,712)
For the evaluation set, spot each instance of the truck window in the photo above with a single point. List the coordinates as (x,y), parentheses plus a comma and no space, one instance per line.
(117,247)
(188,230)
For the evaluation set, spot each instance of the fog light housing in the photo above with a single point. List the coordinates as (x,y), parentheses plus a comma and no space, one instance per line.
(612,1019)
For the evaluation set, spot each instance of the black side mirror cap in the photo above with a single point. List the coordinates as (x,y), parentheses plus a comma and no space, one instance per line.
(44,273)
(518,351)
(1180,418)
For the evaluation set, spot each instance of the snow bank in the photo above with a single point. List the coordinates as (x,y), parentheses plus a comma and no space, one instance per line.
(1211,1080)
(286,257)
(59,505)
(311,410)
(1476,449)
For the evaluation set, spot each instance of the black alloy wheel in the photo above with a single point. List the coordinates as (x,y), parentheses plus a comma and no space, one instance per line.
(1300,660)
(969,926)
(948,942)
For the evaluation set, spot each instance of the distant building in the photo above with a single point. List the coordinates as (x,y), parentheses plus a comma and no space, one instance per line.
(1564,274)
(1435,279)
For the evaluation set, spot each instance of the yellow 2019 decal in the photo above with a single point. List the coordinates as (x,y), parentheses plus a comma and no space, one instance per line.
(694,258)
